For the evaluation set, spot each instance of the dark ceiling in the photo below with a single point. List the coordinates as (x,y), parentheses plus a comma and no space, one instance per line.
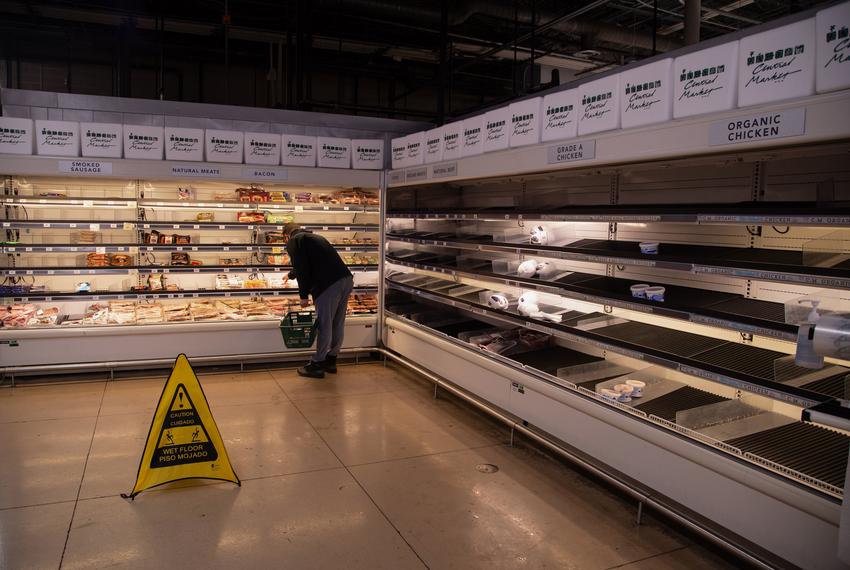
(413,59)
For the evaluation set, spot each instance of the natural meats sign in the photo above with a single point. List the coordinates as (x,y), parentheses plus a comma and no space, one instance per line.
(788,123)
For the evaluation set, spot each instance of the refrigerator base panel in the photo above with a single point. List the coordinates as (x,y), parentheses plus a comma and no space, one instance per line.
(59,347)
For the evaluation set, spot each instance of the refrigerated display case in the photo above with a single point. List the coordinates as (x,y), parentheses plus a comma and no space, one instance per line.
(670,280)
(126,268)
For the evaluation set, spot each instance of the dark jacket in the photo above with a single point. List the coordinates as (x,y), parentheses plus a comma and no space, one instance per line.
(315,262)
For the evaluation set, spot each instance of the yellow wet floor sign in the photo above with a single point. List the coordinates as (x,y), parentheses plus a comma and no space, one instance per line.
(183,441)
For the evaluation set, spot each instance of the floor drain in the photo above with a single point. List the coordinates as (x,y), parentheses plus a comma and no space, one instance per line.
(487,468)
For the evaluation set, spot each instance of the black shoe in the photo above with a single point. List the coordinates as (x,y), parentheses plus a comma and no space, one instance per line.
(329,365)
(312,370)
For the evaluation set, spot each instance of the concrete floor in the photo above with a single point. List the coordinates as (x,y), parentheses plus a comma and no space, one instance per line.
(361,470)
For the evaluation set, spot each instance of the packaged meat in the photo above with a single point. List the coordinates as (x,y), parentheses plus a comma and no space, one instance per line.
(205,217)
(179,258)
(187,193)
(149,314)
(250,217)
(278,197)
(120,260)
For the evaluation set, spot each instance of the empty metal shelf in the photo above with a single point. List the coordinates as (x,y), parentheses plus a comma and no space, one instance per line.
(809,449)
(550,359)
(660,338)
(684,398)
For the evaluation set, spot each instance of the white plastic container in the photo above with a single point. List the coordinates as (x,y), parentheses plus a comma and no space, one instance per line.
(559,116)
(637,387)
(473,136)
(224,146)
(706,81)
(333,152)
(639,290)
(298,150)
(16,136)
(434,145)
(367,154)
(57,138)
(101,140)
(184,144)
(399,152)
(646,94)
(143,142)
(525,122)
(655,293)
(649,247)
(599,105)
(777,64)
(415,149)
(496,125)
(833,48)
(262,148)
(453,140)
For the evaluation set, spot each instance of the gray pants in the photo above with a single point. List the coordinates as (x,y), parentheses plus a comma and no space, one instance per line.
(331,306)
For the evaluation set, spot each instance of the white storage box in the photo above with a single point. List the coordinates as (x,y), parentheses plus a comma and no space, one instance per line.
(833,48)
(777,64)
(16,136)
(496,134)
(262,148)
(333,152)
(646,94)
(184,144)
(298,150)
(415,149)
(560,115)
(143,142)
(224,146)
(705,81)
(367,154)
(525,122)
(453,140)
(599,105)
(101,140)
(57,138)
(399,152)
(473,136)
(434,145)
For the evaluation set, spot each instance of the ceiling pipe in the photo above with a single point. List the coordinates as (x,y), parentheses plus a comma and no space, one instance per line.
(693,20)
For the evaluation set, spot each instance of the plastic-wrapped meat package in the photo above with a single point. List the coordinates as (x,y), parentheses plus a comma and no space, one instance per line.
(122,313)
(203,311)
(149,314)
(18,315)
(96,314)
(44,317)
(229,309)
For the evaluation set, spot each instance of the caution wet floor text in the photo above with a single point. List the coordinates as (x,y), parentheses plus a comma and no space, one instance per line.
(183,441)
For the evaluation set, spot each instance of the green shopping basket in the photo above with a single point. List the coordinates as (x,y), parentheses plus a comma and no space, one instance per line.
(298,329)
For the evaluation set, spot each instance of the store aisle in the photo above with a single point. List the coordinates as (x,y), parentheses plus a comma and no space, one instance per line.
(361,470)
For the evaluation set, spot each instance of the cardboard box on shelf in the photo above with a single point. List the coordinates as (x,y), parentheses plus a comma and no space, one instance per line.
(143,142)
(453,140)
(224,146)
(101,140)
(399,152)
(525,122)
(599,105)
(473,136)
(184,144)
(434,145)
(333,152)
(833,48)
(706,81)
(415,149)
(262,148)
(496,129)
(560,115)
(646,94)
(298,150)
(367,154)
(57,138)
(777,64)
(16,136)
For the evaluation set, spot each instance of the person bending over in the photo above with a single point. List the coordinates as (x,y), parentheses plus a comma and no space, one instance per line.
(321,273)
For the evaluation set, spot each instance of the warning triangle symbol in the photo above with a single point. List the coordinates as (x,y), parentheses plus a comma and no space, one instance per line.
(182,438)
(183,441)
